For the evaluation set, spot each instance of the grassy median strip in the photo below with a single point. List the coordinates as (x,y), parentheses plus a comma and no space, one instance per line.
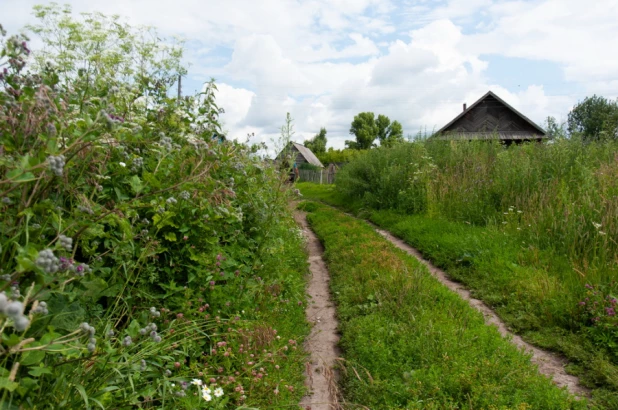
(408,341)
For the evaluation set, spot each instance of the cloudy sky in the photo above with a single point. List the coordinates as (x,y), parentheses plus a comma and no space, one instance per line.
(416,61)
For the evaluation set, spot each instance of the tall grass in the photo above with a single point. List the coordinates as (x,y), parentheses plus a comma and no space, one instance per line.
(561,195)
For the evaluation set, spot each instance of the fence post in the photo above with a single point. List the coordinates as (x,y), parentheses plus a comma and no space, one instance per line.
(321,172)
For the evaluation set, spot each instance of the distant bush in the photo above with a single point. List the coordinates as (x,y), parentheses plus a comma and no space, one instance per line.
(562,195)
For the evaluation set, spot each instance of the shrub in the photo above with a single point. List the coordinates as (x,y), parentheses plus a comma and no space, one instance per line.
(137,253)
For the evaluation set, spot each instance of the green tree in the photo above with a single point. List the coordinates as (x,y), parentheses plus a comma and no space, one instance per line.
(367,128)
(394,135)
(595,117)
(317,144)
(554,129)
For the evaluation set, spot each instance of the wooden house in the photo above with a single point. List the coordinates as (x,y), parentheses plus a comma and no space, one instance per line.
(298,154)
(492,118)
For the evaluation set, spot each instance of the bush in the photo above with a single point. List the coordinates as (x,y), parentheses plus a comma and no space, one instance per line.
(137,253)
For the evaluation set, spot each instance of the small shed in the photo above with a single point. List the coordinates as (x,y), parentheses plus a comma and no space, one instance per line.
(491,118)
(299,154)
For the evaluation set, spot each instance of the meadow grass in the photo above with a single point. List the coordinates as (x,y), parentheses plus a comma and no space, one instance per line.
(409,342)
(529,287)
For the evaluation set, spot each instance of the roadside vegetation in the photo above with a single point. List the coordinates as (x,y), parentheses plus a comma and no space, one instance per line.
(531,230)
(408,341)
(145,261)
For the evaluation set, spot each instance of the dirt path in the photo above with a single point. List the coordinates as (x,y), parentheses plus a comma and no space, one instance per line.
(322,341)
(549,364)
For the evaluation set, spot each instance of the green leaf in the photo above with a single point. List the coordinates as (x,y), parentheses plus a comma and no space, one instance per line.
(82,392)
(17,175)
(120,194)
(38,371)
(5,383)
(32,357)
(136,184)
(12,340)
(170,236)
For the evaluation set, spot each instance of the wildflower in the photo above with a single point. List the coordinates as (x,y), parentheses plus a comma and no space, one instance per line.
(196,382)
(66,242)
(206,396)
(185,195)
(168,373)
(171,200)
(7,200)
(122,164)
(47,261)
(218,392)
(610,311)
(86,328)
(143,365)
(56,164)
(127,341)
(21,323)
(41,308)
(14,309)
(596,225)
(110,333)
(85,209)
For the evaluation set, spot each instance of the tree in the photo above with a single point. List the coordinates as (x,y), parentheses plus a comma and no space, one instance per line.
(367,128)
(554,129)
(594,118)
(317,144)
(394,135)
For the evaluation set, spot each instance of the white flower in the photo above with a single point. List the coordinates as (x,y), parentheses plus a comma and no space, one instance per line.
(218,392)
(596,225)
(206,396)
(206,390)
(196,382)
(122,164)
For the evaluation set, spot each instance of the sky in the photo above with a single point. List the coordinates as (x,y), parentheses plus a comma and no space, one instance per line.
(416,61)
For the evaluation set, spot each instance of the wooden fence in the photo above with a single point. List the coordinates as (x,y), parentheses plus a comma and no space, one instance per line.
(319,177)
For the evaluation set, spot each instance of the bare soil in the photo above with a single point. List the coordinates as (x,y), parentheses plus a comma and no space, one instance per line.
(321,377)
(549,363)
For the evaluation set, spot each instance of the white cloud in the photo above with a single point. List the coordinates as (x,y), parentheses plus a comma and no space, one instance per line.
(416,61)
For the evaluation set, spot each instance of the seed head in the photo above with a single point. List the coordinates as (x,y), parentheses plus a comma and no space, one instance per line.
(66,242)
(47,261)
(56,164)
(21,323)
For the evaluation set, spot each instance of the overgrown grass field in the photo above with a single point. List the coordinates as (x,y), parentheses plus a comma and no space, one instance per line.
(531,230)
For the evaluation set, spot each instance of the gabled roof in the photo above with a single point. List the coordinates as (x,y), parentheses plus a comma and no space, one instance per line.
(491,94)
(308,154)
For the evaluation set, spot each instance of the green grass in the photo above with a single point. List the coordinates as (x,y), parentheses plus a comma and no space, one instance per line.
(530,288)
(408,341)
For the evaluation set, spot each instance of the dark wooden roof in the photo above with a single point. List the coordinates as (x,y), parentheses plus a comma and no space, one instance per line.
(489,118)
(305,152)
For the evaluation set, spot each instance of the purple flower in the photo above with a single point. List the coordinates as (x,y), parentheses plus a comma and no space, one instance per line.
(212,283)
(582,303)
(589,286)
(610,311)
